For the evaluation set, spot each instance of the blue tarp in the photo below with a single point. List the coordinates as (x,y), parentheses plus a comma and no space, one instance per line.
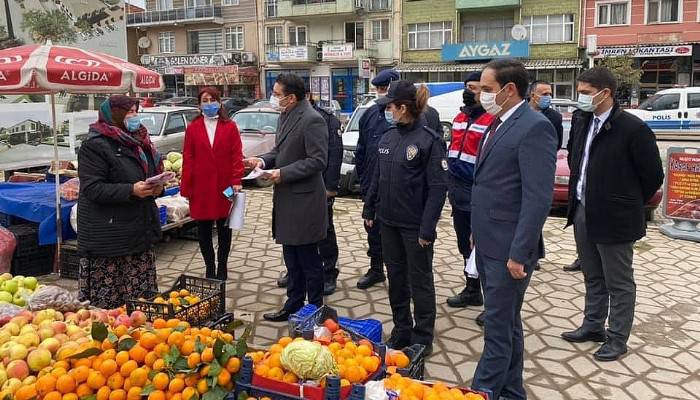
(36,202)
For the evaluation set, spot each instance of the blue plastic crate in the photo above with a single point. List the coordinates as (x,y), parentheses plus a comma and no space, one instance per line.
(370,328)
(163,210)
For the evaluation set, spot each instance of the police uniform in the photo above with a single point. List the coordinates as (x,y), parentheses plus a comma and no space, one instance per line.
(406,197)
(371,128)
(328,247)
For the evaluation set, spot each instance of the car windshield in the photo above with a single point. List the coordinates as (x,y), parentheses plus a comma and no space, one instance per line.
(256,121)
(354,124)
(152,121)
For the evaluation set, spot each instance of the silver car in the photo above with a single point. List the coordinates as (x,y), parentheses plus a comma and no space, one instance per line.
(167,126)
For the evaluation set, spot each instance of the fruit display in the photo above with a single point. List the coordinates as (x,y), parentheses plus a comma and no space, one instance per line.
(410,389)
(178,299)
(173,162)
(16,289)
(395,359)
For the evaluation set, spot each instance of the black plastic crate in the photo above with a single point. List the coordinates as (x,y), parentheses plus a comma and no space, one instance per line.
(38,263)
(212,304)
(70,262)
(223,323)
(365,328)
(27,236)
(8,220)
(416,369)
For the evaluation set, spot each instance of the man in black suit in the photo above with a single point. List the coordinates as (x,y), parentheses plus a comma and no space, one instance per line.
(615,170)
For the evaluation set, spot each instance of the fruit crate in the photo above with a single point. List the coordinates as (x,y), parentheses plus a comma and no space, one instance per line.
(222,323)
(416,369)
(7,220)
(484,393)
(309,315)
(27,236)
(211,306)
(256,386)
(70,262)
(39,262)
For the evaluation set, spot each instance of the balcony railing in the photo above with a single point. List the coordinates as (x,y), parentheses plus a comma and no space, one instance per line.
(183,15)
(310,8)
(375,5)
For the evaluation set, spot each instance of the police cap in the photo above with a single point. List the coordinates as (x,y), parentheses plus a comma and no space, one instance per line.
(399,90)
(385,77)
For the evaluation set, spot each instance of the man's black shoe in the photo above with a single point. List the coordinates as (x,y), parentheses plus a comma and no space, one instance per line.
(610,351)
(283,280)
(329,287)
(537,266)
(480,318)
(370,279)
(468,297)
(279,316)
(397,343)
(574,266)
(581,335)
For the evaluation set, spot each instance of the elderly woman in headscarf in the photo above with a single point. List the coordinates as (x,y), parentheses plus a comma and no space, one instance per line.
(118,221)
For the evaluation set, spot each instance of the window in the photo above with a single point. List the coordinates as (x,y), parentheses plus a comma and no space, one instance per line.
(164,5)
(271,8)
(297,36)
(562,81)
(612,13)
(355,33)
(379,5)
(234,38)
(205,42)
(693,100)
(198,3)
(659,11)
(166,42)
(175,124)
(487,30)
(229,2)
(429,35)
(662,102)
(275,35)
(556,28)
(380,29)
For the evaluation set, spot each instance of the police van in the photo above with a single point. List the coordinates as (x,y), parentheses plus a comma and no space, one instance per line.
(672,111)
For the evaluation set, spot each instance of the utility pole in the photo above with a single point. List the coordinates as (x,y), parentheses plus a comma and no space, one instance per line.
(8,17)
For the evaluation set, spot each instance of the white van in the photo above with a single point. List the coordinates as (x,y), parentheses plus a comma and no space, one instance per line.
(674,110)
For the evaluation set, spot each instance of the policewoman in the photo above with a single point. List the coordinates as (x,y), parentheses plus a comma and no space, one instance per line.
(407,196)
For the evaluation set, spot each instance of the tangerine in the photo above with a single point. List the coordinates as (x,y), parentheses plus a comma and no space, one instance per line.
(187,347)
(122,357)
(159,323)
(57,372)
(224,377)
(233,365)
(262,370)
(364,350)
(133,393)
(208,355)
(65,384)
(115,381)
(172,323)
(176,339)
(103,393)
(138,353)
(70,396)
(400,359)
(83,390)
(45,384)
(276,373)
(96,380)
(163,334)
(276,348)
(138,377)
(202,386)
(274,360)
(26,392)
(80,374)
(189,393)
(149,340)
(160,381)
(151,358)
(289,377)
(119,394)
(109,354)
(128,367)
(193,360)
(353,374)
(158,365)
(54,395)
(176,385)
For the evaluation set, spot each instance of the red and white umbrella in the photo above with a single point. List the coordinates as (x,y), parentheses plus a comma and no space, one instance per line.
(48,68)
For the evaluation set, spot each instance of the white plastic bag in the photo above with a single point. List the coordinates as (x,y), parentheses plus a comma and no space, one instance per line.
(470,265)
(74,217)
(178,208)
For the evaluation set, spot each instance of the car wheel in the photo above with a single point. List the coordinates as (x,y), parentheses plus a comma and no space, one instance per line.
(446,131)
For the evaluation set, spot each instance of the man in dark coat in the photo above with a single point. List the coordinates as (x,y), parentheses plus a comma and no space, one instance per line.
(541,101)
(299,214)
(615,170)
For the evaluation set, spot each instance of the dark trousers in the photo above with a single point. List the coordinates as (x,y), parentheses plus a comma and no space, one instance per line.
(206,246)
(374,240)
(500,368)
(462,221)
(609,279)
(328,247)
(305,276)
(410,270)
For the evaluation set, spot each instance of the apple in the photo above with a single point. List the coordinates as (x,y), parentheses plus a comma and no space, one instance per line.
(4,337)
(18,369)
(3,377)
(19,300)
(44,315)
(10,286)
(61,337)
(84,314)
(59,327)
(6,348)
(5,297)
(5,277)
(114,312)
(72,329)
(18,352)
(123,319)
(138,318)
(29,339)
(12,384)
(30,380)
(30,282)
(27,329)
(45,333)
(51,344)
(38,359)
(12,327)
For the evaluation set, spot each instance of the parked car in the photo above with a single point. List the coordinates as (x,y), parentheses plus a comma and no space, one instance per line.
(258,127)
(179,101)
(167,125)
(146,102)
(673,111)
(561,187)
(234,104)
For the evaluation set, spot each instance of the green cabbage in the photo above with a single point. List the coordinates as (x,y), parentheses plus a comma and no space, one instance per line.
(308,360)
(173,156)
(177,165)
(167,165)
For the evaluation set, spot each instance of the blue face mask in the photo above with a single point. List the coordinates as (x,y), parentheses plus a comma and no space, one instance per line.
(132,124)
(545,102)
(389,117)
(211,110)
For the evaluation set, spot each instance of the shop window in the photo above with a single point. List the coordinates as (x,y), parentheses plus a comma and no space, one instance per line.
(380,29)
(429,35)
(355,33)
(612,13)
(482,30)
(297,35)
(557,28)
(166,42)
(234,38)
(660,11)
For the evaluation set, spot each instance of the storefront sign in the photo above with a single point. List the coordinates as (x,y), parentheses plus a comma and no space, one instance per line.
(485,50)
(365,67)
(294,53)
(188,60)
(333,52)
(646,51)
(211,76)
(682,197)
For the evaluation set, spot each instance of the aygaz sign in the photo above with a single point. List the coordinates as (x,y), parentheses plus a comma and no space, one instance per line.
(485,50)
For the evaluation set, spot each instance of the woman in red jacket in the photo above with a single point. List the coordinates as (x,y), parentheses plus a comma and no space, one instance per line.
(212,161)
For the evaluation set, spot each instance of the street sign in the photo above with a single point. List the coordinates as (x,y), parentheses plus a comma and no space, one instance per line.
(682,193)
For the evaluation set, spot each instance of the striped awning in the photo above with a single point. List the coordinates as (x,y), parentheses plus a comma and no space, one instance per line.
(465,67)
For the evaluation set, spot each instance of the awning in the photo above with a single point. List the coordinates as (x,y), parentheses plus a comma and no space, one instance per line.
(466,67)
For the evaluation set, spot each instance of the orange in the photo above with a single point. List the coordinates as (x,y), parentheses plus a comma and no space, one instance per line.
(371,364)
(289,377)
(115,381)
(148,340)
(334,347)
(227,337)
(285,340)
(108,367)
(151,357)
(274,360)
(55,395)
(134,393)
(138,377)
(80,374)
(364,350)
(106,344)
(225,377)
(127,384)
(208,355)
(159,323)
(96,380)
(45,384)
(161,349)
(57,372)
(83,390)
(158,365)
(353,374)
(262,370)
(163,334)
(189,393)
(160,381)
(176,339)
(187,347)
(157,395)
(204,371)
(120,330)
(233,365)
(122,357)
(70,396)
(176,385)
(128,367)
(109,354)
(26,392)
(119,394)
(191,380)
(276,373)
(138,353)
(202,386)
(193,360)
(65,384)
(276,348)
(400,359)
(205,331)
(103,393)
(172,323)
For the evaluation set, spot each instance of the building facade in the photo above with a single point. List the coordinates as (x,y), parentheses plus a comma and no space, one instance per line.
(197,43)
(663,37)
(336,46)
(444,40)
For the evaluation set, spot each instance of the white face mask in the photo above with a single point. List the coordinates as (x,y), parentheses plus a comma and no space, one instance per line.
(275,102)
(585,102)
(488,102)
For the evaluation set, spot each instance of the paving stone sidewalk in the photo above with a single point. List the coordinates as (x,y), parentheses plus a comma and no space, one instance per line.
(664,357)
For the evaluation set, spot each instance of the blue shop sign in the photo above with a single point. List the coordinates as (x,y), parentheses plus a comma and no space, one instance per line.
(485,50)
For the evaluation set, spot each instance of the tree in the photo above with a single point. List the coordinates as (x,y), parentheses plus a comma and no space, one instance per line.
(49,25)
(623,68)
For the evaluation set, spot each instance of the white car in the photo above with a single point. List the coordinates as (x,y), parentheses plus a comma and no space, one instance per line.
(166,126)
(672,111)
